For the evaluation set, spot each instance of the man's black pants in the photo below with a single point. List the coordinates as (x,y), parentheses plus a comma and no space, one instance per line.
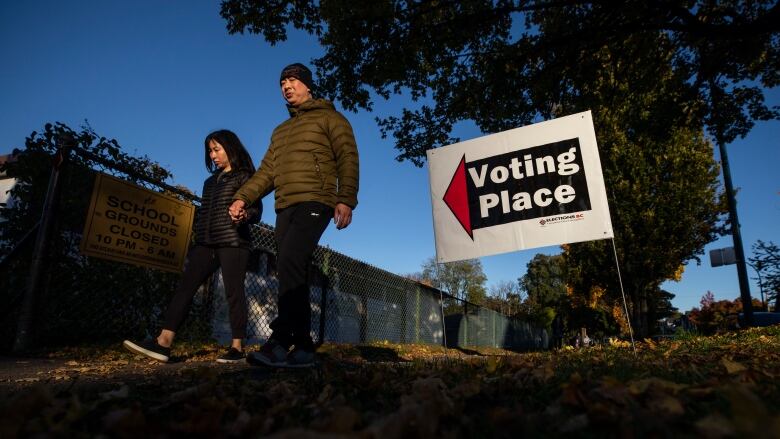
(202,262)
(298,230)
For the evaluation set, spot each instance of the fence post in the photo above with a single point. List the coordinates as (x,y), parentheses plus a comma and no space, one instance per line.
(443,323)
(404,302)
(30,301)
(417,314)
(363,313)
(495,343)
(465,324)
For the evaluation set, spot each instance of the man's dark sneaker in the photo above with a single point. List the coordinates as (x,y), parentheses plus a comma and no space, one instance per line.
(300,358)
(271,354)
(232,355)
(150,348)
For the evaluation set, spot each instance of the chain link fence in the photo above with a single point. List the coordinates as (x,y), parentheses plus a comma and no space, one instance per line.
(86,299)
(471,325)
(351,301)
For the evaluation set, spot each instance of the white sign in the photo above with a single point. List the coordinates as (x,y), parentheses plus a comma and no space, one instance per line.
(534,186)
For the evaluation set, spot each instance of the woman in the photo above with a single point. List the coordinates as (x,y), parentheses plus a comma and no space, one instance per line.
(219,242)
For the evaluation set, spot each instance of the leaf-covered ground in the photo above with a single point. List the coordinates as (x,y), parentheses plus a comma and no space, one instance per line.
(722,386)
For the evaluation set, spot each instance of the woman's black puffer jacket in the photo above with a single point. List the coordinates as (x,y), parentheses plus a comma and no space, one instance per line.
(213,226)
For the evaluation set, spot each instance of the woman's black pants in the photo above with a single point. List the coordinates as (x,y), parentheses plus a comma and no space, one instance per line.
(201,263)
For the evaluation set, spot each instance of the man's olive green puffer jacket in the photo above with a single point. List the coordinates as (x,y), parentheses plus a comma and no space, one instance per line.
(312,157)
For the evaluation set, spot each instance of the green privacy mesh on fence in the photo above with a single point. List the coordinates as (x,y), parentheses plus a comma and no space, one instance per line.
(469,325)
(362,303)
(87,299)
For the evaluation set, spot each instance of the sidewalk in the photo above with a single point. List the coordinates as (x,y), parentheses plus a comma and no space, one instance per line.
(19,372)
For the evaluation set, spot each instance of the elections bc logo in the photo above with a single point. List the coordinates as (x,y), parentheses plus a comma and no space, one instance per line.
(561,219)
(542,181)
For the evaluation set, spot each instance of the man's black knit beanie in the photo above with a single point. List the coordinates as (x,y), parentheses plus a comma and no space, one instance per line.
(299,72)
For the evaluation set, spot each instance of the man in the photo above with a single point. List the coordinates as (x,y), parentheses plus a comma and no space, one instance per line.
(312,166)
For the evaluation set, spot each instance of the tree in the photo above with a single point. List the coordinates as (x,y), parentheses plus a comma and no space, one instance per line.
(32,167)
(544,285)
(417,276)
(766,261)
(665,205)
(717,315)
(464,280)
(663,189)
(504,63)
(544,282)
(507,297)
(663,305)
(707,299)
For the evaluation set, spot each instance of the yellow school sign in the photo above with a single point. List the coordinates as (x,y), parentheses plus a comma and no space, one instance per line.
(130,224)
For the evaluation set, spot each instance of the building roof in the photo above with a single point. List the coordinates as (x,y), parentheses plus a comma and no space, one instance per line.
(5,158)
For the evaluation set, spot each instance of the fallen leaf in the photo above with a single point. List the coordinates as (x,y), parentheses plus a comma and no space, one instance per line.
(666,404)
(27,380)
(715,426)
(700,392)
(492,364)
(326,394)
(544,373)
(746,406)
(672,348)
(639,387)
(732,367)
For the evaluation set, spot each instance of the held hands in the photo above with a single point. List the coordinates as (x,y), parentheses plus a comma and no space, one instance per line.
(342,216)
(237,211)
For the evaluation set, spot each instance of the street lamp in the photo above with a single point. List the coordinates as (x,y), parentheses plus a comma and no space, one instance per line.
(758,267)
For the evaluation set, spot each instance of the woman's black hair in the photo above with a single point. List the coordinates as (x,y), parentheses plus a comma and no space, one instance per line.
(239,157)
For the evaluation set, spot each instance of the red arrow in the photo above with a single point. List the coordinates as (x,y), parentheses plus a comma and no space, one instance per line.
(457,199)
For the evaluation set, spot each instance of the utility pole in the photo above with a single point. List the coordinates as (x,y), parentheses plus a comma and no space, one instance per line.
(739,252)
(744,286)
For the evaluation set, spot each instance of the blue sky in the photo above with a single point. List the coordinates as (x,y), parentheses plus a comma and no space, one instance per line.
(159,76)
